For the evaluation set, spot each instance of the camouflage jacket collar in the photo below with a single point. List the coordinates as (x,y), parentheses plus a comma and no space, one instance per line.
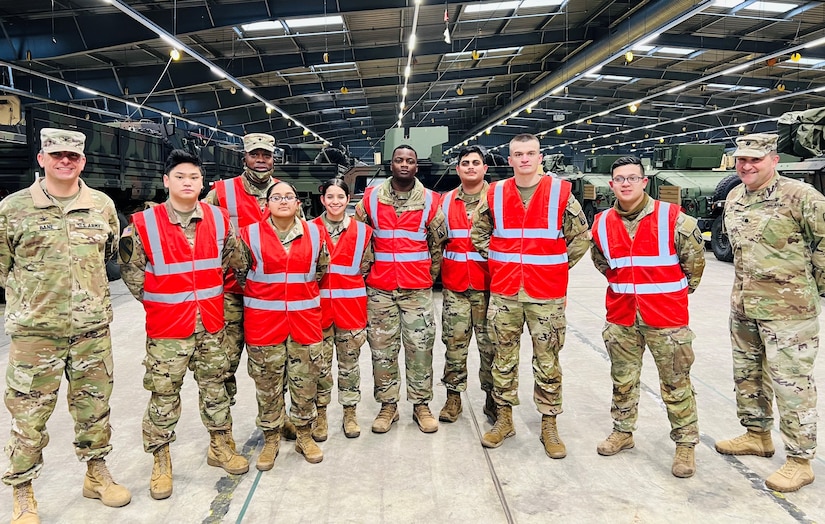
(462,195)
(294,232)
(175,219)
(42,199)
(385,194)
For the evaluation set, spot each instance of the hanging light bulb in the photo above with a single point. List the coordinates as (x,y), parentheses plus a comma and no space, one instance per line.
(459,91)
(268,110)
(175,54)
(352,111)
(326,58)
(558,130)
(633,108)
(741,129)
(628,57)
(661,140)
(475,54)
(306,131)
(363,131)
(796,57)
(780,87)
(344,90)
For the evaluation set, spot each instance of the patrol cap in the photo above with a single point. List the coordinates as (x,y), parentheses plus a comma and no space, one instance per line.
(54,140)
(756,145)
(254,141)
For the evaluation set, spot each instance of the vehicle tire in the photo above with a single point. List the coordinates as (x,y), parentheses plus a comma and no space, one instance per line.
(589,212)
(719,241)
(112,267)
(724,186)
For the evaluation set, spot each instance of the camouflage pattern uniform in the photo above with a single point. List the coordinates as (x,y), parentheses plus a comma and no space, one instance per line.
(53,266)
(671,347)
(166,360)
(545,319)
(776,234)
(299,363)
(406,314)
(462,314)
(233,302)
(345,343)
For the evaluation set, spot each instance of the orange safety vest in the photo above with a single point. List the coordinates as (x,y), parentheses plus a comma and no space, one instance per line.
(343,294)
(281,297)
(244,210)
(402,257)
(462,267)
(182,280)
(644,272)
(527,247)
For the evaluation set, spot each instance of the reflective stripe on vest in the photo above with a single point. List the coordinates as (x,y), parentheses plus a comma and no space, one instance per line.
(534,260)
(664,258)
(281,305)
(420,235)
(464,257)
(445,207)
(160,267)
(186,296)
(231,202)
(258,274)
(402,257)
(649,289)
(355,267)
(551,232)
(343,293)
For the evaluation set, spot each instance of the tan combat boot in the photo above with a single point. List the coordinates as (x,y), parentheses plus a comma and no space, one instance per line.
(553,446)
(757,443)
(221,455)
(452,408)
(351,428)
(502,429)
(306,446)
(490,407)
(684,461)
(614,443)
(388,414)
(425,419)
(288,431)
(272,444)
(320,428)
(795,473)
(98,484)
(25,507)
(160,485)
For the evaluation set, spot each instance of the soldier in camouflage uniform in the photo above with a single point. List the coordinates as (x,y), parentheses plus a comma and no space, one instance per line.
(343,306)
(776,226)
(466,283)
(244,197)
(653,256)
(184,314)
(408,235)
(282,305)
(530,243)
(55,238)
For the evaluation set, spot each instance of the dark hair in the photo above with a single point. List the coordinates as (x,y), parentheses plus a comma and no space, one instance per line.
(469,150)
(337,182)
(405,146)
(179,156)
(269,191)
(628,161)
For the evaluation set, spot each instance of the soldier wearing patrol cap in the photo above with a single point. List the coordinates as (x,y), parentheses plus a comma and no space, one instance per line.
(55,238)
(244,197)
(776,226)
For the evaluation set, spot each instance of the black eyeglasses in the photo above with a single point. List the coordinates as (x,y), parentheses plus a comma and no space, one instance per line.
(72,156)
(632,179)
(285,198)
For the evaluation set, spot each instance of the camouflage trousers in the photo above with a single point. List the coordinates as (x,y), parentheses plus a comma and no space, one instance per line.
(393,316)
(299,363)
(776,357)
(506,318)
(36,365)
(462,314)
(166,362)
(672,351)
(233,339)
(346,344)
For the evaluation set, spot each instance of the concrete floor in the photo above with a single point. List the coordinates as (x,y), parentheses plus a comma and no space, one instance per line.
(407,476)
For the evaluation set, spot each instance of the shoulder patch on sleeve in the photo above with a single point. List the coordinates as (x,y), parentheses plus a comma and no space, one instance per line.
(126,247)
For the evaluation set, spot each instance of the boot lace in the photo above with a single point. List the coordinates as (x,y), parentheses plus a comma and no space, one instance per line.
(548,429)
(101,471)
(387,411)
(163,460)
(683,454)
(453,401)
(616,438)
(24,496)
